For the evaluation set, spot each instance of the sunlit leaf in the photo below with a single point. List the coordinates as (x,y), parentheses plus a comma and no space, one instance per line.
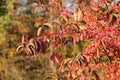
(110,18)
(31,49)
(80,62)
(75,16)
(20,47)
(23,39)
(39,31)
(102,23)
(82,27)
(64,18)
(79,15)
(49,25)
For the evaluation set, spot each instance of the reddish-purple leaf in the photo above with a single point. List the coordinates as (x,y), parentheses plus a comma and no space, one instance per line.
(55,57)
(37,46)
(43,46)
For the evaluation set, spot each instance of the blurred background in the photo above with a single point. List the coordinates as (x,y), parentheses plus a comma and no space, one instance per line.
(17,18)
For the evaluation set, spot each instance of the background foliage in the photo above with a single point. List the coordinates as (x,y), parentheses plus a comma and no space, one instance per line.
(14,66)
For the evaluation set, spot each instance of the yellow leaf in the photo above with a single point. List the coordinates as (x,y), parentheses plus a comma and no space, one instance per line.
(82,27)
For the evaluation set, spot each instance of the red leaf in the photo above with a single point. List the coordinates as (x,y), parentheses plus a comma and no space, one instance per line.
(23,39)
(37,46)
(55,57)
(68,76)
(31,38)
(43,46)
(110,18)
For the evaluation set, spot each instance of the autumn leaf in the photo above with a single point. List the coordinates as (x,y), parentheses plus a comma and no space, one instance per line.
(49,25)
(23,39)
(39,31)
(55,57)
(64,18)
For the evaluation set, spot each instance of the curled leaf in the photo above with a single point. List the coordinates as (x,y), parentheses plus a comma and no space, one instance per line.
(64,17)
(39,31)
(110,18)
(31,49)
(43,46)
(80,62)
(37,46)
(20,47)
(96,75)
(55,57)
(23,39)
(49,25)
